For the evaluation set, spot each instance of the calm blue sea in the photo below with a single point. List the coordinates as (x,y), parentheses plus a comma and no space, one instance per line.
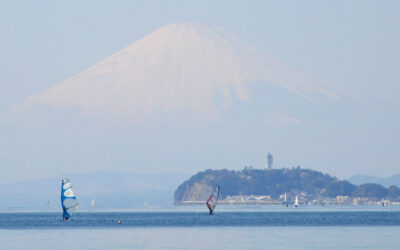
(281,229)
(104,220)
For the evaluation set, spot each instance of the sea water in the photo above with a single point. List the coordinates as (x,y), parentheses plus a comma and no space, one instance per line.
(303,228)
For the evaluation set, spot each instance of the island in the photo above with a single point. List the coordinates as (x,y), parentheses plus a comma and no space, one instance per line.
(281,186)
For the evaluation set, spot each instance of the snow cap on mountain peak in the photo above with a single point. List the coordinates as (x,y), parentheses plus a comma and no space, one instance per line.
(178,70)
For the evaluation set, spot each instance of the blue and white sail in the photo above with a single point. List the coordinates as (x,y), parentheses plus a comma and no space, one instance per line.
(68,199)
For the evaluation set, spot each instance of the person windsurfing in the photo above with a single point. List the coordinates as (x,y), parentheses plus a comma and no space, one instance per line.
(68,199)
(212,200)
(208,203)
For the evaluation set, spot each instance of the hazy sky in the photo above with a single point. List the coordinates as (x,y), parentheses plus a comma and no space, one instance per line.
(353,46)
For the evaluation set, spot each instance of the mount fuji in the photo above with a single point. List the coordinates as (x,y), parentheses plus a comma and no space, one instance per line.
(178,71)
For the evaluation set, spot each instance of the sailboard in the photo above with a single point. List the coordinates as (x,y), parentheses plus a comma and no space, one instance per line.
(69,202)
(212,200)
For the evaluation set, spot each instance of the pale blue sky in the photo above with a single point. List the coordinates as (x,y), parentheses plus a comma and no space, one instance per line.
(353,46)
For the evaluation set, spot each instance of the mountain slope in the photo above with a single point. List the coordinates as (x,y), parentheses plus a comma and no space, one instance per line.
(386,182)
(179,70)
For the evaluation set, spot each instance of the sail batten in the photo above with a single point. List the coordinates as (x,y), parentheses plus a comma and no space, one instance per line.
(69,202)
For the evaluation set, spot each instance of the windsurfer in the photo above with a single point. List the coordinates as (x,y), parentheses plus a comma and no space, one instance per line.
(212,200)
(68,199)
(64,217)
(209,206)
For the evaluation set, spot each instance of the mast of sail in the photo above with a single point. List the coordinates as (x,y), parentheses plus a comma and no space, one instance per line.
(62,201)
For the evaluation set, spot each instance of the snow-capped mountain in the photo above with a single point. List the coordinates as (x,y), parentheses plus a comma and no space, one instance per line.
(179,70)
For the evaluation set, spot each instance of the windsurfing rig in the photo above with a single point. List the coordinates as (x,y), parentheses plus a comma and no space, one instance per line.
(213,199)
(69,202)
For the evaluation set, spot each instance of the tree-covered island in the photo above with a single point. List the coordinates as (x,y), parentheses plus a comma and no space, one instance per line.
(274,186)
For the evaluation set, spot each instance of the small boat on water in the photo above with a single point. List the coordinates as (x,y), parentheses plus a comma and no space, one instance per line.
(296,201)
(92,203)
(213,199)
(69,202)
(285,200)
